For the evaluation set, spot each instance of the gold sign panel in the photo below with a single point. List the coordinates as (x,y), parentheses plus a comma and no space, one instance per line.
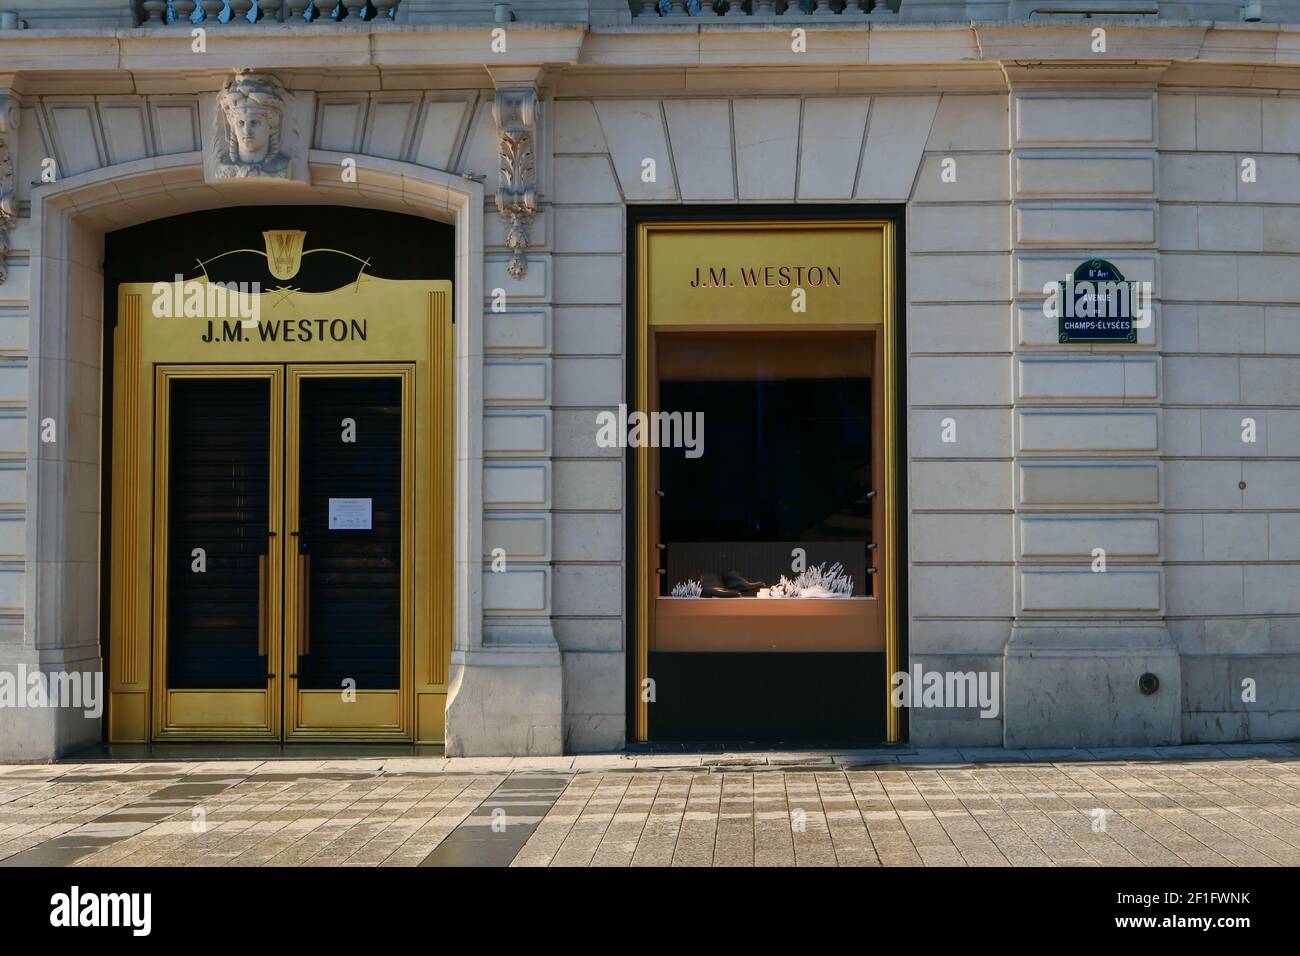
(765,273)
(200,321)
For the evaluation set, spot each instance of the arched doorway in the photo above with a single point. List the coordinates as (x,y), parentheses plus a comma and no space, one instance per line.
(278,451)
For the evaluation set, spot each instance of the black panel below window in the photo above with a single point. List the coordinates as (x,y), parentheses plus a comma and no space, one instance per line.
(821,699)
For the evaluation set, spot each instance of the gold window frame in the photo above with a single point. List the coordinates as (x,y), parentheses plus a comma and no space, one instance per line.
(672,254)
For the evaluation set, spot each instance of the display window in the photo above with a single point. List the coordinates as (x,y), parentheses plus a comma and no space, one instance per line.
(766,536)
(763,428)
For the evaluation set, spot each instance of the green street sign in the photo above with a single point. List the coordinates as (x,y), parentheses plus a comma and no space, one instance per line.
(1096,304)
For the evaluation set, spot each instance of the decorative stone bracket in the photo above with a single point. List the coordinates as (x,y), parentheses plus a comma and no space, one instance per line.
(9,115)
(515,115)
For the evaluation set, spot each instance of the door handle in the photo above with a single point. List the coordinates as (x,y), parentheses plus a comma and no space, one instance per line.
(262,593)
(304,604)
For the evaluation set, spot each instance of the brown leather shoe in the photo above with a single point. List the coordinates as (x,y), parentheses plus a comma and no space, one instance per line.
(712,587)
(738,582)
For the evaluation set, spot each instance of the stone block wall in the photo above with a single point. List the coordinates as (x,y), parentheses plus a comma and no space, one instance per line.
(1087,435)
(784,149)
(1230,344)
(1136,449)
(590,339)
(1060,450)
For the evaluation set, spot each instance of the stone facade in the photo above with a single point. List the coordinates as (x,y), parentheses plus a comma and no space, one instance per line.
(1016,150)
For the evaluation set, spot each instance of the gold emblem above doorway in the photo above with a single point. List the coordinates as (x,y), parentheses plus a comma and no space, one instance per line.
(284,251)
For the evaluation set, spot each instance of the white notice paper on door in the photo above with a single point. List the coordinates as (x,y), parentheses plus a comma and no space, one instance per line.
(350,514)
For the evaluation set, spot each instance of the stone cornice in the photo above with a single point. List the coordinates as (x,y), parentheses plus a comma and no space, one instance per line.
(659,58)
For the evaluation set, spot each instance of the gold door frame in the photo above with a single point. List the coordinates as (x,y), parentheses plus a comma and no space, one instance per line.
(662,307)
(406,323)
(193,713)
(311,714)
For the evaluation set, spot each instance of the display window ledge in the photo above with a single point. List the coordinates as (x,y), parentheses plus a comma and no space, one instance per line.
(748,624)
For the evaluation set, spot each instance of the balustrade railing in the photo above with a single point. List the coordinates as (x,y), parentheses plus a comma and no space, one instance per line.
(706,9)
(185,12)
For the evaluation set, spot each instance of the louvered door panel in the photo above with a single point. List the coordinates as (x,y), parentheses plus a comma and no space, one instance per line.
(218,488)
(355,573)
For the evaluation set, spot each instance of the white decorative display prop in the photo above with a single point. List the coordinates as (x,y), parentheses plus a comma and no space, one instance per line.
(688,589)
(818,582)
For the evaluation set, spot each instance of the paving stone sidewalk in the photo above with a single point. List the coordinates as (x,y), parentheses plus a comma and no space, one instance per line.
(1227,805)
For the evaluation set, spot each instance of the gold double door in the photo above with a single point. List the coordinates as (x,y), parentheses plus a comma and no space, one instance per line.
(280,564)
(283,547)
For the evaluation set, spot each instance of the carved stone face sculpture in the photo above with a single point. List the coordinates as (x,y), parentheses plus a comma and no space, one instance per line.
(252,128)
(253,108)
